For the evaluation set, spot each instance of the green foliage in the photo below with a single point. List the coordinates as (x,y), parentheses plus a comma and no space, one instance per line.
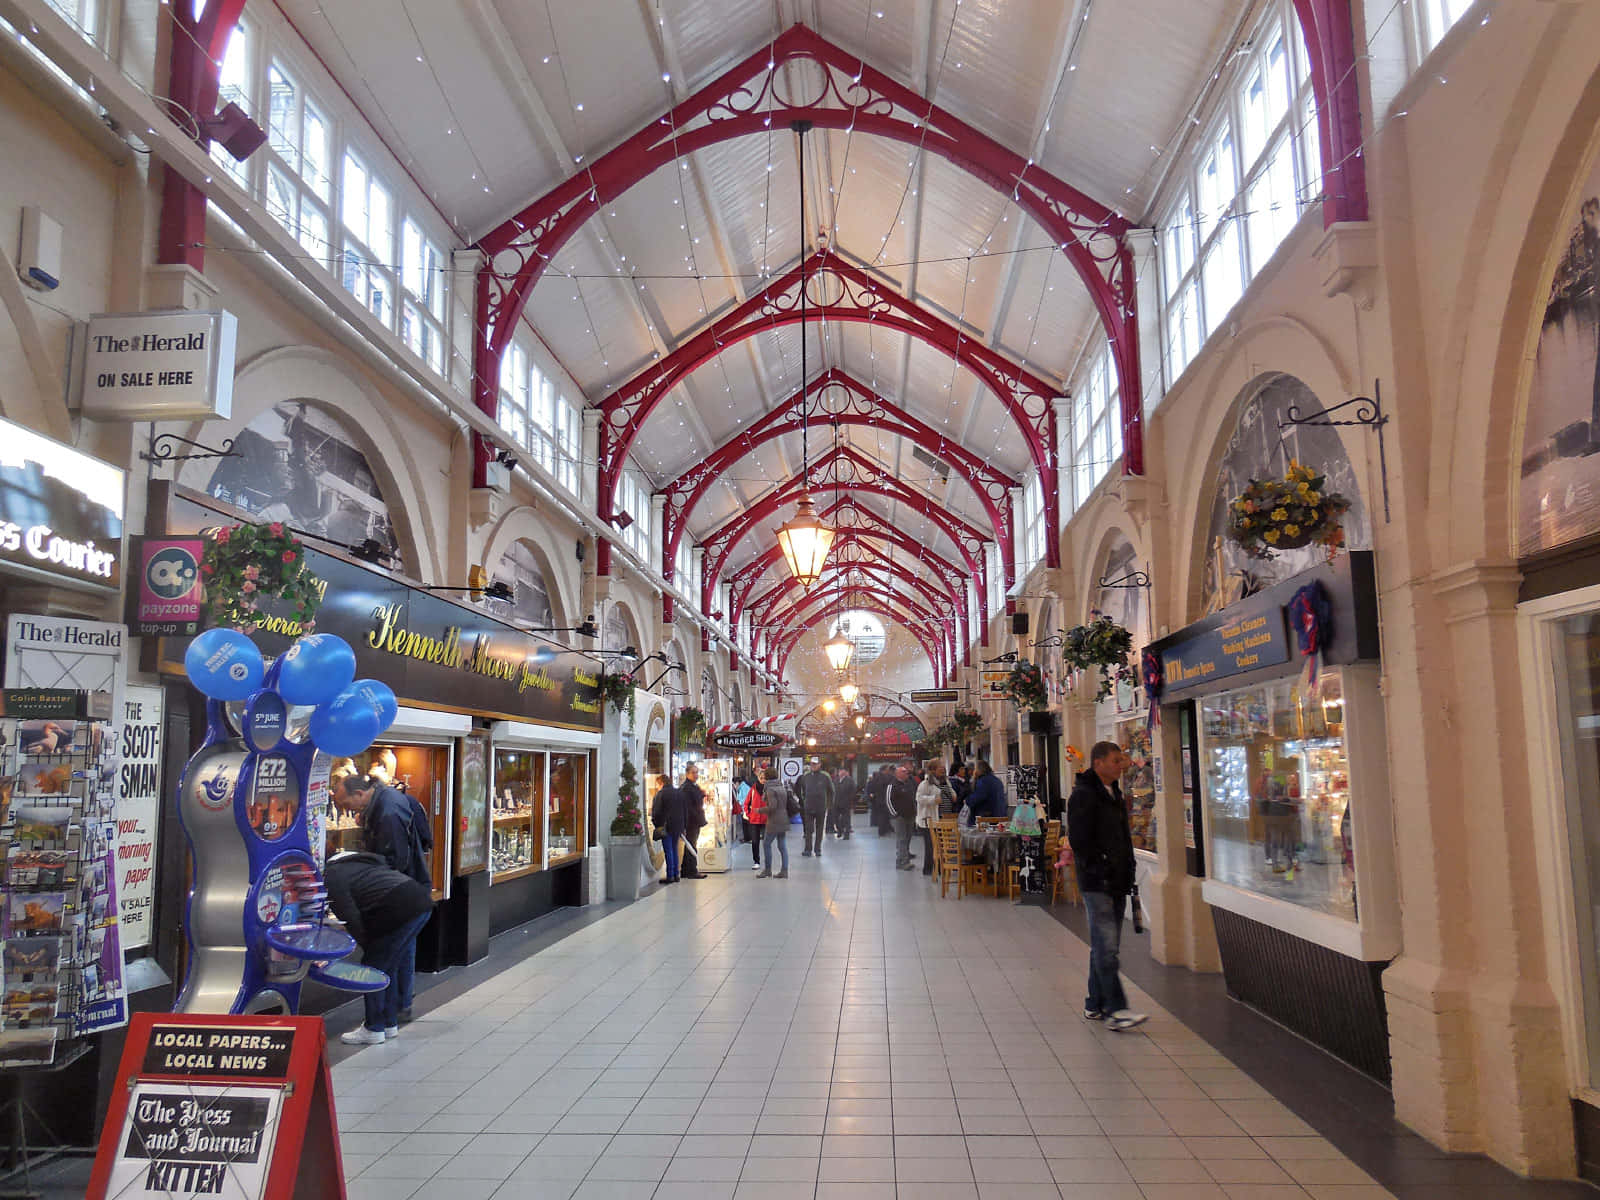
(629,821)
(244,564)
(692,726)
(1025,688)
(1287,513)
(1101,644)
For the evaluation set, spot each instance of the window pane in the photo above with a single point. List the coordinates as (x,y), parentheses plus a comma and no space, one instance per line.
(283,118)
(280,198)
(234,78)
(1222,277)
(380,236)
(316,152)
(512,421)
(411,264)
(314,231)
(1253,106)
(1272,207)
(355,197)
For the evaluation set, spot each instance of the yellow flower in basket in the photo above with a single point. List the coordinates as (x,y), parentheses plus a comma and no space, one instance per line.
(1280,514)
(1292,530)
(1271,536)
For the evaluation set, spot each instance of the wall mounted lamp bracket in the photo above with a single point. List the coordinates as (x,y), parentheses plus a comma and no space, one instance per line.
(1367,411)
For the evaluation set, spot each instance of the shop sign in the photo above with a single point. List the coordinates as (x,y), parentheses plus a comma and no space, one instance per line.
(60,510)
(1249,640)
(138,806)
(935,696)
(747,739)
(994,682)
(196,1140)
(436,654)
(167,599)
(159,366)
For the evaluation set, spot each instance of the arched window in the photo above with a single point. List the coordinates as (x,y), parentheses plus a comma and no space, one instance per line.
(865,630)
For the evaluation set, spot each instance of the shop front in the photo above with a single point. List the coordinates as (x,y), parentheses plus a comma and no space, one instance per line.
(496,738)
(1285,778)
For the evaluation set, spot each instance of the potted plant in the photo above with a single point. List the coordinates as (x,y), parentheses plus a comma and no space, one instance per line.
(692,726)
(969,726)
(1287,513)
(1025,688)
(1102,644)
(245,564)
(626,851)
(618,689)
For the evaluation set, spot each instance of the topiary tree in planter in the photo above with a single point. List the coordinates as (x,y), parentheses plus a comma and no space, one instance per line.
(629,821)
(624,855)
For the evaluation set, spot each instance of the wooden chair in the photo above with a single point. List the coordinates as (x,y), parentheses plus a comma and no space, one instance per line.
(947,857)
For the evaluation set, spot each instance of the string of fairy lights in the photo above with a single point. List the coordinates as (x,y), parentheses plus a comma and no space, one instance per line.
(1308,192)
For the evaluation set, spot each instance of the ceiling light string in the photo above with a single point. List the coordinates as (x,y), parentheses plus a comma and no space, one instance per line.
(455,121)
(850,131)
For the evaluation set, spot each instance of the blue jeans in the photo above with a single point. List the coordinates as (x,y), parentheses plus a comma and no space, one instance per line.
(395,954)
(669,846)
(779,839)
(1105,947)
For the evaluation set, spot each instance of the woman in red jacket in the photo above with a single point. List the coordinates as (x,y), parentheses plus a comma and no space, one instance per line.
(755,816)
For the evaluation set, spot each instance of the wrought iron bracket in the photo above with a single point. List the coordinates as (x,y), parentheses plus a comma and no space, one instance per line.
(1044,643)
(1010,656)
(1367,412)
(1133,579)
(164,448)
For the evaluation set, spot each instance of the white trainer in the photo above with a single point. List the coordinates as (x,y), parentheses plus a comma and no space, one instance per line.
(362,1036)
(390,1032)
(1126,1018)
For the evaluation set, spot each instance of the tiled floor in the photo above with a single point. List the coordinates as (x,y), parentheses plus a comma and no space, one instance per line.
(839,1035)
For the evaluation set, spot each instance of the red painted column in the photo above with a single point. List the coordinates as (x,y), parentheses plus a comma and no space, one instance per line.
(1330,36)
(194,67)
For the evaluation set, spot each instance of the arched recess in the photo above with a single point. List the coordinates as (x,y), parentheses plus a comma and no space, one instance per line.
(750,99)
(307,375)
(620,629)
(1117,556)
(523,524)
(835,396)
(1253,446)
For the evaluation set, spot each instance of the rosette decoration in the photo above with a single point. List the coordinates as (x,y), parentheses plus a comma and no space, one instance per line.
(1287,513)
(246,564)
(1311,619)
(1025,687)
(1101,645)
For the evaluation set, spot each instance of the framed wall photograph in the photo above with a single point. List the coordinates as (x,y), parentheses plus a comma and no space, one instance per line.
(472,806)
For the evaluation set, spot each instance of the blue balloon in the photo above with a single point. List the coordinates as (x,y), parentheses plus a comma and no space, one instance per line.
(381,697)
(346,725)
(223,664)
(316,669)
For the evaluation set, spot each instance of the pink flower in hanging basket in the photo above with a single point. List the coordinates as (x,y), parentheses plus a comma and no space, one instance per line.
(289,556)
(247,587)
(275,529)
(252,572)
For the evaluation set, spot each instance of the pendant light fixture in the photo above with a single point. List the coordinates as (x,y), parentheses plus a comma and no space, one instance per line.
(804,540)
(839,648)
(848,692)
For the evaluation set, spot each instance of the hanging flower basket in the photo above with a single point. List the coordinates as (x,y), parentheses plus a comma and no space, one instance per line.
(1286,514)
(692,726)
(941,736)
(245,564)
(1025,687)
(969,726)
(1101,645)
(618,689)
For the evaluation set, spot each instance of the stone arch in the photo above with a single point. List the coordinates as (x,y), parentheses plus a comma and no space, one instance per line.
(323,380)
(523,524)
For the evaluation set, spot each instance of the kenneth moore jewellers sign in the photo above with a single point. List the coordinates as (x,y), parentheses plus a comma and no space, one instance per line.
(436,654)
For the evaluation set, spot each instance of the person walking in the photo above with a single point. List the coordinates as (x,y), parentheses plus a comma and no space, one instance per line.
(384,910)
(395,828)
(961,782)
(988,798)
(935,799)
(878,800)
(755,817)
(902,805)
(816,798)
(1102,849)
(776,801)
(694,820)
(668,816)
(844,803)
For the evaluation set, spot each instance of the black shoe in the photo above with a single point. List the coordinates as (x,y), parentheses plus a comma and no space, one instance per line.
(405,1016)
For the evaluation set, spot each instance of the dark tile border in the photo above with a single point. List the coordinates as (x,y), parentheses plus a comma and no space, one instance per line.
(1352,1111)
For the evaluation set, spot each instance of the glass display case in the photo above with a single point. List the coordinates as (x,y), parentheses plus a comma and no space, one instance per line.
(472,806)
(568,807)
(1139,781)
(1276,776)
(423,772)
(517,811)
(714,848)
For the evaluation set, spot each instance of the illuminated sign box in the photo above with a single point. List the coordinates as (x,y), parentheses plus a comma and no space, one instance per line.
(159,366)
(60,511)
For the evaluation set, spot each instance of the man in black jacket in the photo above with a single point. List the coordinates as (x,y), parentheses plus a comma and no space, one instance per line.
(844,803)
(384,910)
(902,804)
(694,820)
(816,798)
(878,800)
(393,825)
(668,817)
(1102,849)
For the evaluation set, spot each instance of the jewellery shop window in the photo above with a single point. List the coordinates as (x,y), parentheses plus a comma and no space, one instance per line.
(1277,792)
(421,772)
(1139,781)
(516,834)
(569,804)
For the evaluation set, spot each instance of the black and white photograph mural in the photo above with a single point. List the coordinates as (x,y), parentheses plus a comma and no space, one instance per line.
(1259,449)
(1559,499)
(709,695)
(531,604)
(299,465)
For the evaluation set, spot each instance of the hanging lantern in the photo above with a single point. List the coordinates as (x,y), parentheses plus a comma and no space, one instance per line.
(805,542)
(829,705)
(839,648)
(848,692)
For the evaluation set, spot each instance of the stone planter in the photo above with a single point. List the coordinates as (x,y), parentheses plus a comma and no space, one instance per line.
(623,857)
